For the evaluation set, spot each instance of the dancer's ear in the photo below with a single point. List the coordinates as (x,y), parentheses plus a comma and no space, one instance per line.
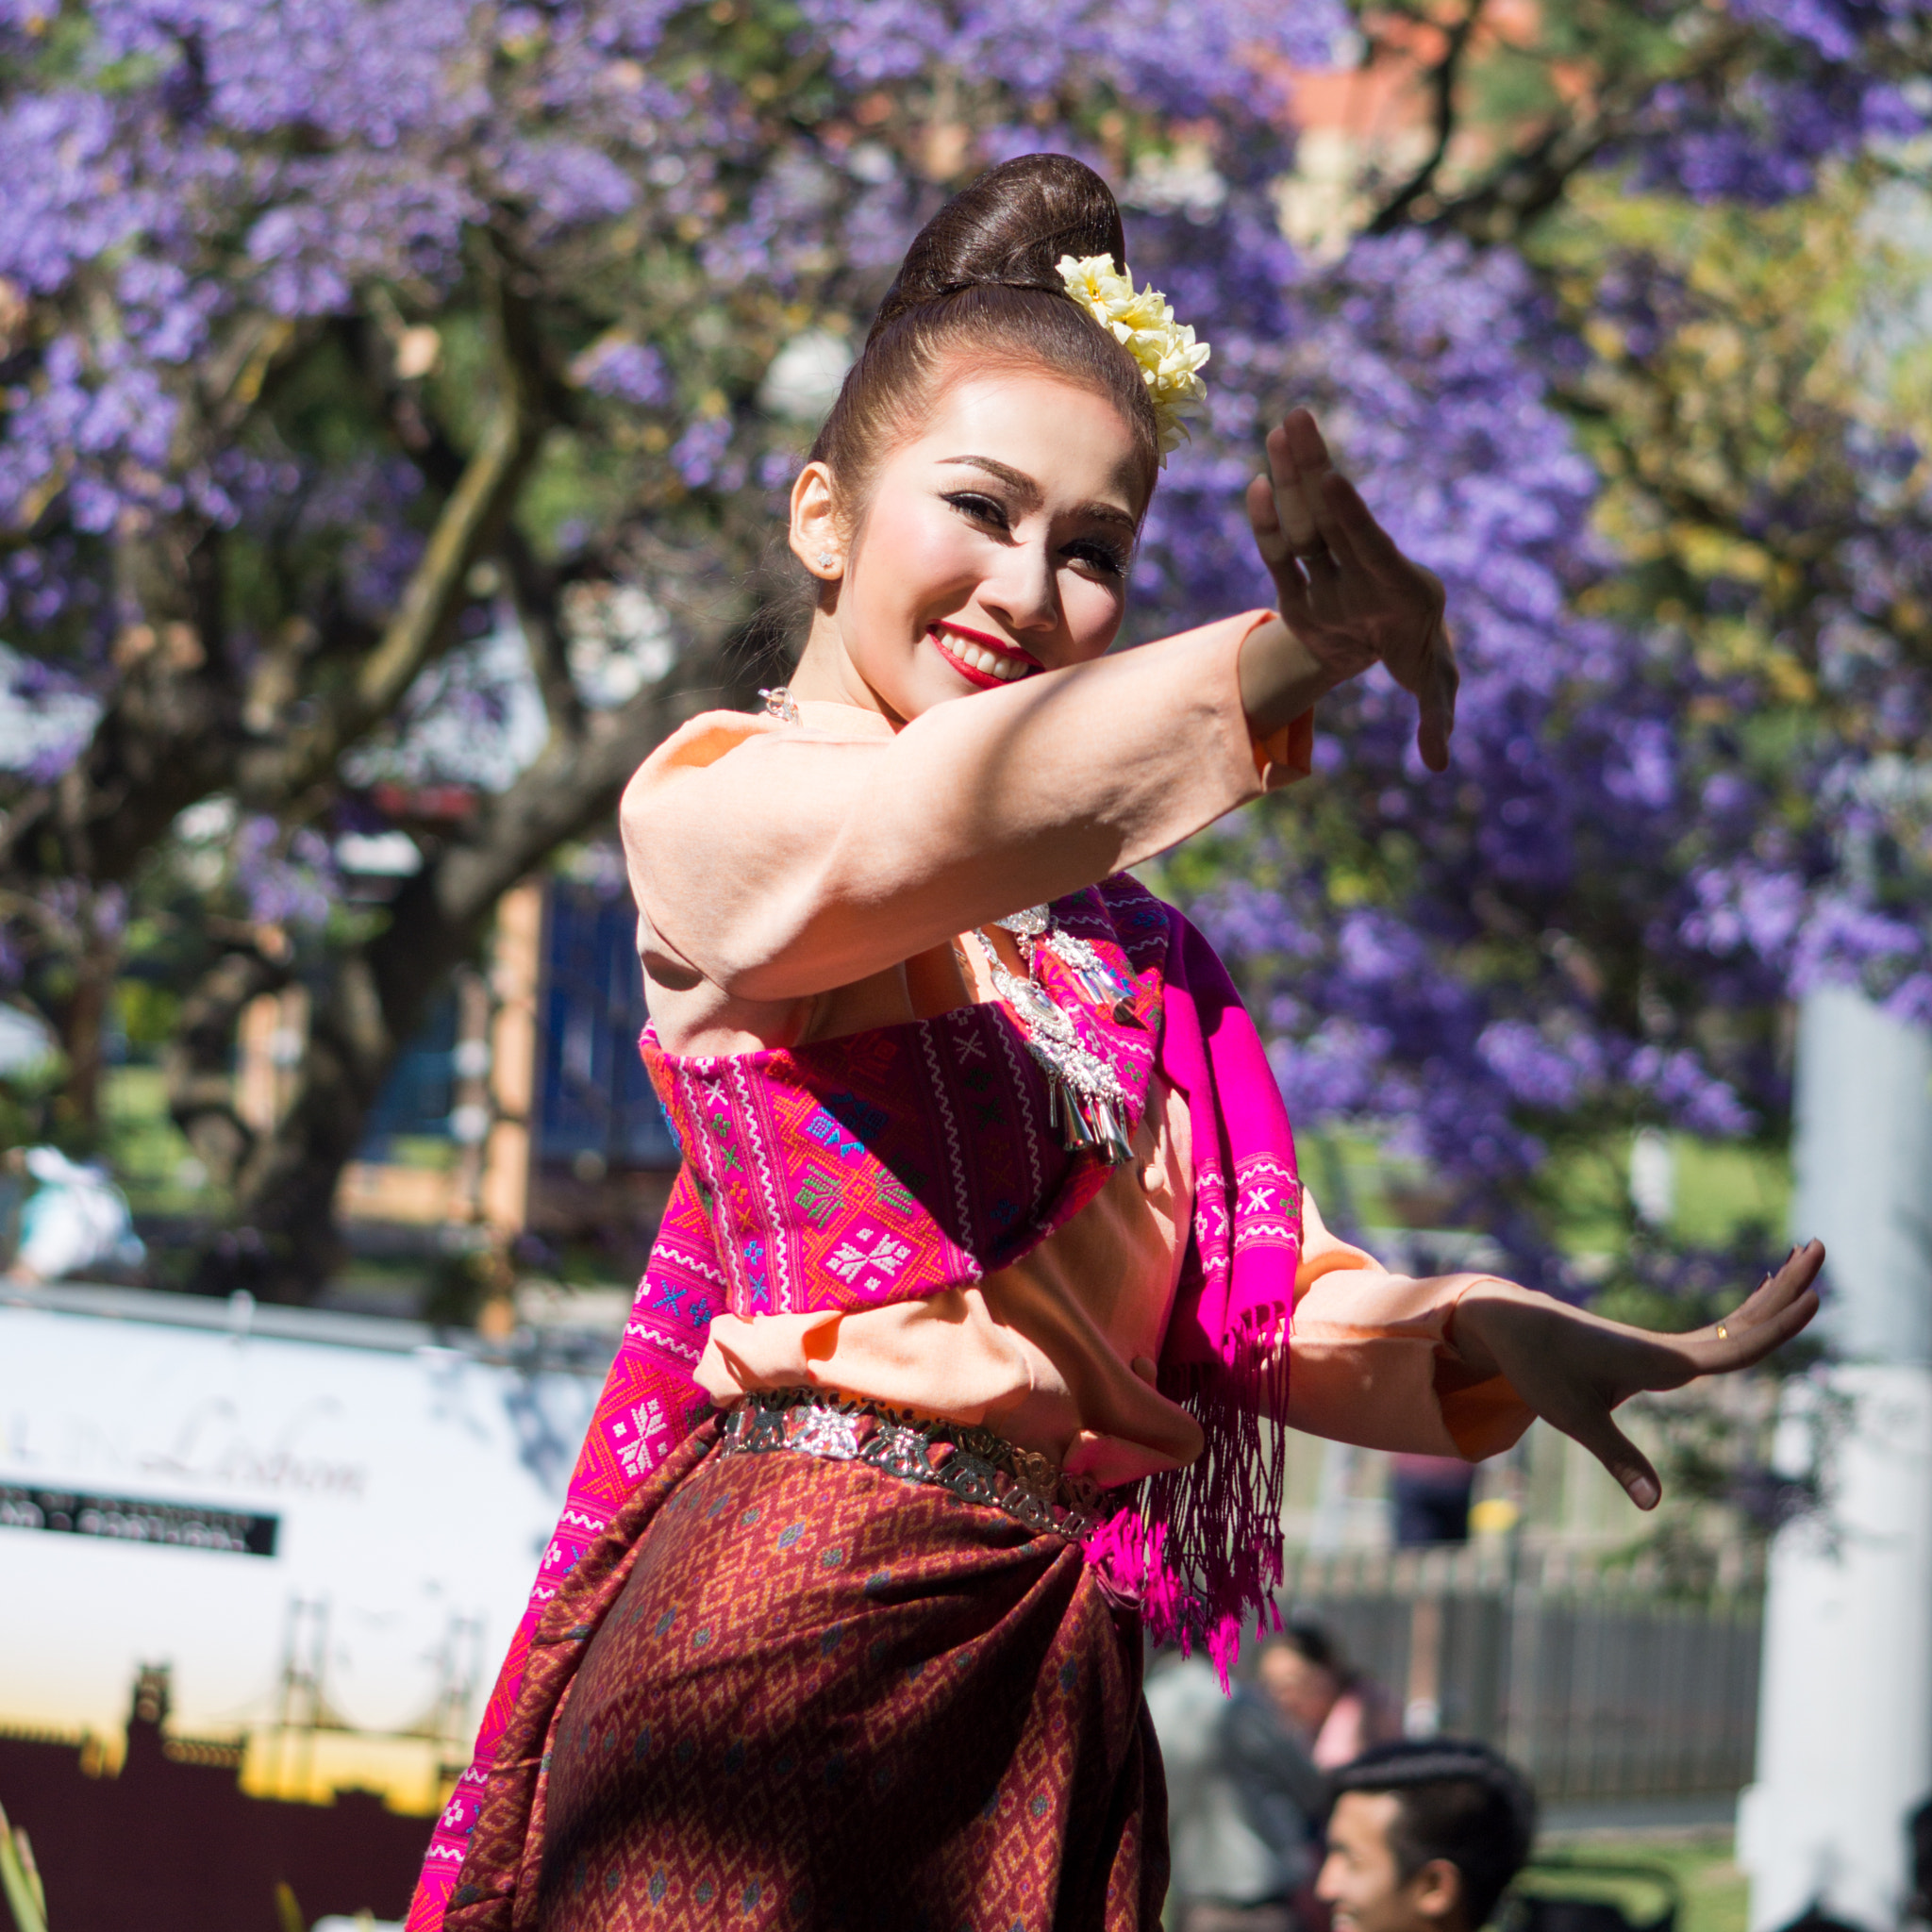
(817,536)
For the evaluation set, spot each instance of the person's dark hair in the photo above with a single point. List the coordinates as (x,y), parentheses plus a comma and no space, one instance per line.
(1315,1644)
(980,287)
(1814,1918)
(1919,1829)
(1456,1800)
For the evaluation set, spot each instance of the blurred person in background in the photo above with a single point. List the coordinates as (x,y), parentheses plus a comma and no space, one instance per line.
(74,1223)
(1919,1829)
(1337,1710)
(1431,1497)
(1424,1836)
(1245,1804)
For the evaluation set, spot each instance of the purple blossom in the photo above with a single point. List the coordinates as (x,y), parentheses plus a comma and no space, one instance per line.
(568,183)
(1551,1075)
(698,456)
(1432,957)
(627,372)
(284,881)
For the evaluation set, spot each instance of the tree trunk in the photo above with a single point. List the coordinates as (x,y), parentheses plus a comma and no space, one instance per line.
(196,1065)
(286,1241)
(83,1025)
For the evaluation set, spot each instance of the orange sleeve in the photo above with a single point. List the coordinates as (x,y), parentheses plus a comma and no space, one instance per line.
(1287,754)
(780,861)
(1371,1361)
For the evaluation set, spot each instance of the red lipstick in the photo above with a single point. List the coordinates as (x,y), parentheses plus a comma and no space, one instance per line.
(981,680)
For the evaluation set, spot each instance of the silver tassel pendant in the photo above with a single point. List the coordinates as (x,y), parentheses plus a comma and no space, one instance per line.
(1101,984)
(1085,1099)
(1089,1123)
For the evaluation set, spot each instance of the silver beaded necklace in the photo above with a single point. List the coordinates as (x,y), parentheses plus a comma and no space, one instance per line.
(1086,1100)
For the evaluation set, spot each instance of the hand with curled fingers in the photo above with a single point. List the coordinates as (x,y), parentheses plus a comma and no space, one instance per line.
(1342,586)
(1572,1368)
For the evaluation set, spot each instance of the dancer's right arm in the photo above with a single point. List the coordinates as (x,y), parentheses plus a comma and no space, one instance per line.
(778,863)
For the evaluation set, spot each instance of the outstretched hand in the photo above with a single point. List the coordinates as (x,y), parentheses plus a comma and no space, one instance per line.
(1573,1368)
(1344,587)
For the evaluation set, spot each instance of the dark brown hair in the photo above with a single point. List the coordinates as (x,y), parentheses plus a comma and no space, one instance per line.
(981,287)
(1314,1644)
(1455,1799)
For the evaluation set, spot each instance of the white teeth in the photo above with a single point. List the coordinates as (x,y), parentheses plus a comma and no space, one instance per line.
(987,662)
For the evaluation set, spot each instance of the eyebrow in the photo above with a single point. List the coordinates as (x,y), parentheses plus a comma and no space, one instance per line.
(1024,487)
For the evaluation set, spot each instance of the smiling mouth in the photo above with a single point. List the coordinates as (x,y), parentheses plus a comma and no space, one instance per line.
(978,659)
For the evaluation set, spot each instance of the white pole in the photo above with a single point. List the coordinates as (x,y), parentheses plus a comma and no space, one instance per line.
(1844,1742)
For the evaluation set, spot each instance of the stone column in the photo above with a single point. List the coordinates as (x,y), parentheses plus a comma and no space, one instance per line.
(1844,1746)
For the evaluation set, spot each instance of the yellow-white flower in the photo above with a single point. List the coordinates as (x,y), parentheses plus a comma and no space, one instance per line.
(1143,321)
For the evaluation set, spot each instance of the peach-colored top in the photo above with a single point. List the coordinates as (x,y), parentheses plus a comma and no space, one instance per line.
(801,882)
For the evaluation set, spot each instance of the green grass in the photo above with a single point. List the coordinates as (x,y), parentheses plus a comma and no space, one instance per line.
(1716,1893)
(144,1148)
(1720,1185)
(1723,1184)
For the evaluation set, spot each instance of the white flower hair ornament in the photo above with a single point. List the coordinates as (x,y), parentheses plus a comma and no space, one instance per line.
(1143,324)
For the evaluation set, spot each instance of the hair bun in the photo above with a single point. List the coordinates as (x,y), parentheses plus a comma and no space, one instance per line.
(1009,228)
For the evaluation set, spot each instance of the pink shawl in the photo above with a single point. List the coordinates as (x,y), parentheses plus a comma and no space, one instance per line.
(885,1165)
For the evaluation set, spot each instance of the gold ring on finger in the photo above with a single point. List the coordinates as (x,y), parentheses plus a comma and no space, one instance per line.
(1723,1334)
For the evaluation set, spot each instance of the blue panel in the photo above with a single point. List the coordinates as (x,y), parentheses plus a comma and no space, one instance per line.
(416,1099)
(593,1094)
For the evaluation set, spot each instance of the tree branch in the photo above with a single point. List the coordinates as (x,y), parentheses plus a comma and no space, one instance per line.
(423,626)
(1442,80)
(378,996)
(171,733)
(574,782)
(1530,180)
(196,1066)
(535,593)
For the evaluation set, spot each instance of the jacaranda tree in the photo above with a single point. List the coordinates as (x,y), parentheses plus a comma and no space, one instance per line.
(369,363)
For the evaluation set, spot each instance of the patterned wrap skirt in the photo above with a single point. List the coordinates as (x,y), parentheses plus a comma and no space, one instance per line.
(785,1691)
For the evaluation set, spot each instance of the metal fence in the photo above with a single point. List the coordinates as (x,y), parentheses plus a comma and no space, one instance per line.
(1600,1682)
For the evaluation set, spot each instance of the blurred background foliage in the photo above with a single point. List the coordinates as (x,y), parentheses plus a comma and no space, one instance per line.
(397,404)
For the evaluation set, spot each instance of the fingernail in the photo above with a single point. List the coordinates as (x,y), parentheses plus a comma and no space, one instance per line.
(1643,1492)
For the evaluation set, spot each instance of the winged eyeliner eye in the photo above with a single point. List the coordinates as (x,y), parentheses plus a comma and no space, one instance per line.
(972,504)
(987,510)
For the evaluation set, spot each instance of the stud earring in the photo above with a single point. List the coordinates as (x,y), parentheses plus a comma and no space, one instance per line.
(826,560)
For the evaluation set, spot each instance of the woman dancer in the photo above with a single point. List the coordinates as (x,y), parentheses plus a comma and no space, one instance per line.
(949,1372)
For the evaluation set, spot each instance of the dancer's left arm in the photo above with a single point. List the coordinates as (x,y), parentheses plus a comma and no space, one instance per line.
(1461,1364)
(1573,1368)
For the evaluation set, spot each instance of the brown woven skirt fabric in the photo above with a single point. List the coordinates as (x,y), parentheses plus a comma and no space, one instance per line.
(803,1693)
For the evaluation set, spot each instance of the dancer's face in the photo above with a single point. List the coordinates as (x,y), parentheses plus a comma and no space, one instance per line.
(994,545)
